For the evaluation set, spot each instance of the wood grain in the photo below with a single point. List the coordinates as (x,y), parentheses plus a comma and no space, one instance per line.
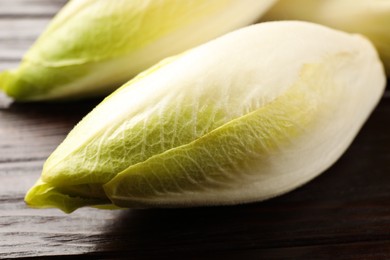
(22,9)
(16,36)
(344,213)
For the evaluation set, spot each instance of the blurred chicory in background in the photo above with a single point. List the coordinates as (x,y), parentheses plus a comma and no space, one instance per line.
(370,18)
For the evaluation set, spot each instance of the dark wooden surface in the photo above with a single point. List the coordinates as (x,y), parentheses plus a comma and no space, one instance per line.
(343,214)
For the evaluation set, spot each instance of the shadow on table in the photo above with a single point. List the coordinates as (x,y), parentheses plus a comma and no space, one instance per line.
(309,215)
(47,109)
(195,232)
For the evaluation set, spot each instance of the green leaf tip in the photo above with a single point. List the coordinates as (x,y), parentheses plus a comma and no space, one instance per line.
(16,87)
(44,195)
(19,88)
(3,81)
(239,119)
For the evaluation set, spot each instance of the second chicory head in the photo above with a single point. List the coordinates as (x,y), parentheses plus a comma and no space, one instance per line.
(92,47)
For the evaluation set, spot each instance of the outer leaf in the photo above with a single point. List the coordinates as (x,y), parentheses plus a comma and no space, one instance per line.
(368,17)
(92,47)
(246,117)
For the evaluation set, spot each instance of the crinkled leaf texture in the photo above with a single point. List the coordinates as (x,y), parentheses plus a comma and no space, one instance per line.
(92,47)
(246,117)
(368,17)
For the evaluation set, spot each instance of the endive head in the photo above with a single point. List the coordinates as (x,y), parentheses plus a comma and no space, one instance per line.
(246,117)
(368,17)
(92,47)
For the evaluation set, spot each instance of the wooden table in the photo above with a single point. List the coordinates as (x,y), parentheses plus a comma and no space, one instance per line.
(343,214)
